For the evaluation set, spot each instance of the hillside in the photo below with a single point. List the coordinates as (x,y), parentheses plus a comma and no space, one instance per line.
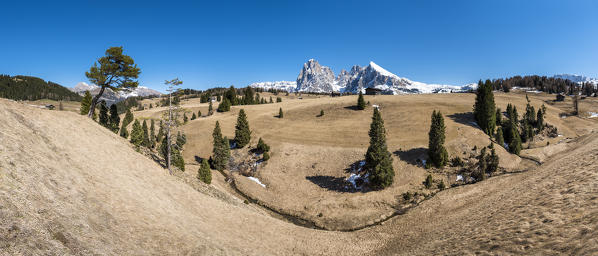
(33,88)
(73,187)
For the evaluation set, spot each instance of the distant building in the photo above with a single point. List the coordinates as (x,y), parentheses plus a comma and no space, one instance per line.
(372,91)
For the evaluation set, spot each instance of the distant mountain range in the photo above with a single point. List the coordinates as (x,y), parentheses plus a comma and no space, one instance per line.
(314,77)
(578,78)
(112,97)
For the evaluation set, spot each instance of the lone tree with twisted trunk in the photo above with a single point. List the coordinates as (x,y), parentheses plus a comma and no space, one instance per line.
(436,150)
(378,161)
(242,132)
(115,71)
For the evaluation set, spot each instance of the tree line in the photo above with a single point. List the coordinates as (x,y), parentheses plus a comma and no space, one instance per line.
(33,88)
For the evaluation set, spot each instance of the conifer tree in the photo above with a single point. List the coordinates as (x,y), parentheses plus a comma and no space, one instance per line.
(499,138)
(321,112)
(498,117)
(540,119)
(262,146)
(128,117)
(220,151)
(204,174)
(160,132)
(436,151)
(193,117)
(123,130)
(104,115)
(360,101)
(185,119)
(198,113)
(378,161)
(271,101)
(114,118)
(280,114)
(146,142)
(493,160)
(137,134)
(484,108)
(177,159)
(85,103)
(224,105)
(279,99)
(482,165)
(210,109)
(242,132)
(515,144)
(152,134)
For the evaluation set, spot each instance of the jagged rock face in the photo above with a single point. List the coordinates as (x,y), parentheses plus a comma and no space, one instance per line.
(316,78)
(374,76)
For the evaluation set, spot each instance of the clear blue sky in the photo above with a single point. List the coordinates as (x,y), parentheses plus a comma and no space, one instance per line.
(219,43)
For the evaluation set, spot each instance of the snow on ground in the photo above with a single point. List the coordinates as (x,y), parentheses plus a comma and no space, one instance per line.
(593,114)
(459,177)
(256,180)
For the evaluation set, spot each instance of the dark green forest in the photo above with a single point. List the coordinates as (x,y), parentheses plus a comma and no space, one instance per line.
(33,88)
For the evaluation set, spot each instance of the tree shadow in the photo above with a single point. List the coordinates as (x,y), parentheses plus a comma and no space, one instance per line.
(341,184)
(355,108)
(465,118)
(413,156)
(198,159)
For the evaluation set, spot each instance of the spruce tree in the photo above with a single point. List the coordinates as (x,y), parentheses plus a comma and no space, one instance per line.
(378,161)
(271,101)
(515,144)
(123,131)
(499,138)
(160,132)
(152,134)
(360,101)
(114,118)
(436,151)
(280,114)
(498,117)
(128,117)
(177,159)
(540,120)
(104,115)
(198,113)
(482,165)
(146,142)
(210,109)
(193,117)
(185,119)
(220,151)
(85,103)
(493,160)
(204,174)
(262,146)
(224,105)
(242,132)
(484,108)
(137,134)
(279,99)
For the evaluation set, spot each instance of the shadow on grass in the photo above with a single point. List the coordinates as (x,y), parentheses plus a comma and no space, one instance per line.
(413,156)
(340,184)
(466,118)
(355,108)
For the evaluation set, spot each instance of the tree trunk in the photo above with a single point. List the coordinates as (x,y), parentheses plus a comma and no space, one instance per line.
(169,126)
(94,101)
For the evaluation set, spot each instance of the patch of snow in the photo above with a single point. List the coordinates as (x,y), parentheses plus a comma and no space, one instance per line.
(352,179)
(593,114)
(256,180)
(459,177)
(361,163)
(474,124)
(506,146)
(382,70)
(376,106)
(424,162)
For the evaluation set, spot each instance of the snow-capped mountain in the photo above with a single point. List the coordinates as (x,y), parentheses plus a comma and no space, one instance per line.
(317,78)
(112,97)
(288,86)
(578,78)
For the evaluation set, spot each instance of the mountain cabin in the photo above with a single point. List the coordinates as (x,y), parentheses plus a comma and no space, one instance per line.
(372,91)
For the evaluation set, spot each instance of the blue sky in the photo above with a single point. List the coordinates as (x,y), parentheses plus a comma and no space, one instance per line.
(219,43)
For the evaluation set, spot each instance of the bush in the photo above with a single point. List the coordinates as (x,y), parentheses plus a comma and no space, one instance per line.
(262,146)
(457,162)
(429,181)
(407,196)
(441,185)
(266,156)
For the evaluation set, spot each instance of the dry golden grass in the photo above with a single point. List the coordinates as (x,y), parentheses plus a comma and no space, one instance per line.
(69,186)
(311,154)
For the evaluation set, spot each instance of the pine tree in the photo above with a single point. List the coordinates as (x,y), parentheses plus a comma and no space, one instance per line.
(177,159)
(204,173)
(279,99)
(114,118)
(499,138)
(128,117)
(360,101)
(123,130)
(280,114)
(271,101)
(152,134)
(85,103)
(540,118)
(185,119)
(378,161)
(436,151)
(515,144)
(224,105)
(198,114)
(193,117)
(498,117)
(137,134)
(221,150)
(262,146)
(146,142)
(210,109)
(104,115)
(482,165)
(242,132)
(321,112)
(493,160)
(484,108)
(160,132)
